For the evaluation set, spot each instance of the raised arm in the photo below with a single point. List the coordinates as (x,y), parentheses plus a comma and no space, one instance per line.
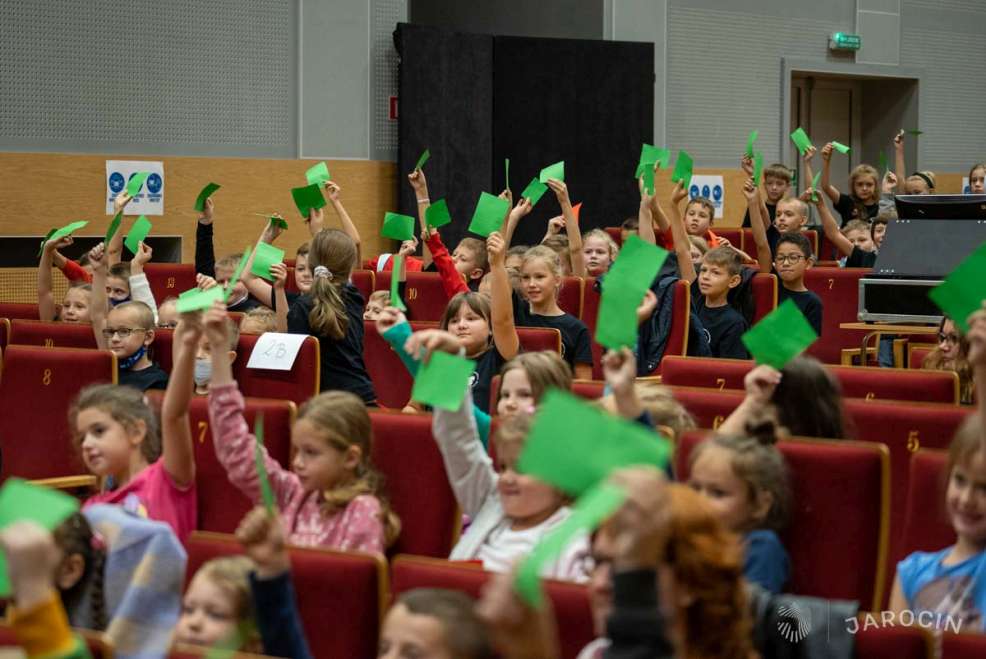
(334,193)
(517,213)
(760,384)
(809,172)
(280,272)
(46,299)
(501,307)
(682,248)
(176,435)
(571,226)
(140,288)
(757,224)
(420,186)
(99,305)
(115,248)
(829,225)
(205,253)
(257,286)
(899,161)
(645,214)
(826,181)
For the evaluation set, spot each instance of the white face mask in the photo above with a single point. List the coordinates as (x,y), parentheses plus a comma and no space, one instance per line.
(203,371)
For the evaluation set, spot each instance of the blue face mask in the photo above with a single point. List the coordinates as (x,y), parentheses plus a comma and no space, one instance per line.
(128,363)
(113,302)
(203,371)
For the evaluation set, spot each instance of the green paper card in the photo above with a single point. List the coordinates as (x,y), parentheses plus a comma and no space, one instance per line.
(556,171)
(573,445)
(318,174)
(624,288)
(307,198)
(648,175)
(395,283)
(237,273)
(278,222)
(198,300)
(397,226)
(489,215)
(915,132)
(45,239)
(749,143)
(437,215)
(205,194)
(534,191)
(651,156)
(506,172)
(963,291)
(266,493)
(114,226)
(882,159)
(840,147)
(67,230)
(191,291)
(801,140)
(442,381)
(683,169)
(136,182)
(814,186)
(138,232)
(757,167)
(264,256)
(780,336)
(616,324)
(589,512)
(423,159)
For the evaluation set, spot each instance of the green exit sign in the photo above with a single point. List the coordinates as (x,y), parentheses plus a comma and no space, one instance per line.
(843,41)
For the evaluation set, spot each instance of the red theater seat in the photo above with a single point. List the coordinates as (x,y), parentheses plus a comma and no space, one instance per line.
(570,295)
(588,389)
(341,595)
(569,601)
(616,233)
(892,642)
(365,282)
(51,334)
(169,279)
(764,294)
(298,385)
(839,290)
(221,505)
(391,381)
(963,646)
(536,339)
(926,524)
(855,519)
(423,294)
(917,352)
(407,455)
(709,407)
(735,237)
(19,310)
(37,388)
(4,332)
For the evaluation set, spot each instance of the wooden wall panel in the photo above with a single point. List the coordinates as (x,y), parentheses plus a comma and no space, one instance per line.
(39,191)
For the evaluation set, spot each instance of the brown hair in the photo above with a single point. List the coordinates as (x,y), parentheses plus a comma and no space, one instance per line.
(808,401)
(707,561)
(725,257)
(856,225)
(75,536)
(512,432)
(559,244)
(478,302)
(858,172)
(935,361)
(777,170)
(126,406)
(705,203)
(545,370)
(229,262)
(344,422)
(261,315)
(700,243)
(231,574)
(303,249)
(968,441)
(120,270)
(145,317)
(756,461)
(335,251)
(631,223)
(465,634)
(478,249)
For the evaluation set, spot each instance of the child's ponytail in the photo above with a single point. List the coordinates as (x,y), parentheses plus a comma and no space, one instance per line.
(75,536)
(331,257)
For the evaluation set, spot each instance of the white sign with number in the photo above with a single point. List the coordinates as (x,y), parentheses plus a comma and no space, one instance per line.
(275,351)
(149,200)
(710,187)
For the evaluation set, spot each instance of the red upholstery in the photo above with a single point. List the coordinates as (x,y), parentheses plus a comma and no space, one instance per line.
(616,233)
(735,237)
(19,310)
(827,251)
(536,339)
(764,294)
(705,372)
(407,455)
(590,312)
(298,385)
(892,642)
(926,524)
(365,281)
(916,353)
(169,279)
(963,646)
(569,601)
(588,389)
(709,407)
(340,594)
(221,505)
(854,519)
(570,296)
(391,381)
(36,390)
(423,294)
(839,290)
(4,332)
(51,334)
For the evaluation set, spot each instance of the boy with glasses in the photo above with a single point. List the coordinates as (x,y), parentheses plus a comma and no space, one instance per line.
(791,261)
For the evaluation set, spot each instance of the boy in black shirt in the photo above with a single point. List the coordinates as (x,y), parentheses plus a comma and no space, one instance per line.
(794,257)
(776,184)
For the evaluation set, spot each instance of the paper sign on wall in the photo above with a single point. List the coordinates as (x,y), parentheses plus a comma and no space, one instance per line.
(149,200)
(275,351)
(710,187)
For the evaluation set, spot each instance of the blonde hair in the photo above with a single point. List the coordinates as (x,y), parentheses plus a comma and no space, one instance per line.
(262,315)
(855,225)
(478,249)
(334,250)
(126,406)
(700,243)
(611,245)
(344,422)
(860,171)
(663,408)
(549,256)
(145,317)
(383,297)
(802,206)
(231,574)
(545,370)
(778,171)
(926,177)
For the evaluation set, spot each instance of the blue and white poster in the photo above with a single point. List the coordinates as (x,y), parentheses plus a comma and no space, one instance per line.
(966,189)
(710,187)
(149,200)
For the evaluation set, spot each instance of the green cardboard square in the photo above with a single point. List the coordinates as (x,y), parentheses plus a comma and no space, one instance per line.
(915,132)
(683,169)
(113,227)
(573,445)
(138,232)
(882,160)
(437,214)
(963,291)
(801,140)
(241,266)
(266,492)
(278,222)
(489,214)
(395,283)
(397,226)
(616,324)
(534,191)
(307,198)
(442,381)
(318,174)
(757,167)
(780,336)
(67,230)
(136,182)
(648,175)
(205,194)
(422,159)
(814,186)
(555,171)
(589,512)
(749,143)
(198,300)
(264,256)
(840,147)
(191,291)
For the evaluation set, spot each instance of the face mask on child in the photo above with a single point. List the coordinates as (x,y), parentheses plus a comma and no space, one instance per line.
(114,303)
(203,371)
(125,364)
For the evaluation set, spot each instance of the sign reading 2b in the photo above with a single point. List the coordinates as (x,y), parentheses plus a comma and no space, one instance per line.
(710,187)
(149,200)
